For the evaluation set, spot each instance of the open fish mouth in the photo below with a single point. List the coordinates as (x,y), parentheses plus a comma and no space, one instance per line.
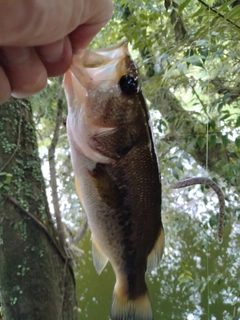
(98,69)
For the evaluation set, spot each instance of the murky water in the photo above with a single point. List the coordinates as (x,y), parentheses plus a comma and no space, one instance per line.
(193,300)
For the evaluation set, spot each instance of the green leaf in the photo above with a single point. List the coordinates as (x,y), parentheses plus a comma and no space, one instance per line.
(220,106)
(167,4)
(181,276)
(212,124)
(200,142)
(237,142)
(218,53)
(182,68)
(195,60)
(183,6)
(8,178)
(212,222)
(189,277)
(179,165)
(204,53)
(225,140)
(237,124)
(189,273)
(189,53)
(234,13)
(175,174)
(225,116)
(198,12)
(212,141)
(220,281)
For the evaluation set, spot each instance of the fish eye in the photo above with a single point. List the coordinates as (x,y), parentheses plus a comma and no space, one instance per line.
(128,84)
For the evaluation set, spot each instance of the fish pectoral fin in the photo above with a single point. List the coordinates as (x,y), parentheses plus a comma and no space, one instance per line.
(104,143)
(114,143)
(99,258)
(155,255)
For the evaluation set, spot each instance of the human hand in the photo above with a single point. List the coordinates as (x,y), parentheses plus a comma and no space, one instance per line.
(37,38)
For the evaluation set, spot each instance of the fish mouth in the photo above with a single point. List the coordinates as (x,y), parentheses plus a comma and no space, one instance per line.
(101,57)
(98,69)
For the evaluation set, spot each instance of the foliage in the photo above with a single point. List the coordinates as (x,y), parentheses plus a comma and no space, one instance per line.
(188,54)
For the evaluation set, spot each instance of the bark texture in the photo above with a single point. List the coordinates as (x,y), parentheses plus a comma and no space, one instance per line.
(36,280)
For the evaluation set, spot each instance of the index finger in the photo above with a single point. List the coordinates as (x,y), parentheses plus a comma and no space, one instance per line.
(40,22)
(83,35)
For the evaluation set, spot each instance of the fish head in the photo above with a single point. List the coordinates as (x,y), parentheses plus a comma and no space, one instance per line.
(101,69)
(103,92)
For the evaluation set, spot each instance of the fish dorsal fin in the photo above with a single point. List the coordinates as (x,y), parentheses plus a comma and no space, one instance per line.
(155,255)
(99,258)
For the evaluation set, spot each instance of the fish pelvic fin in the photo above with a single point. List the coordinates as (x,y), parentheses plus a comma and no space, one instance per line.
(99,258)
(134,309)
(155,255)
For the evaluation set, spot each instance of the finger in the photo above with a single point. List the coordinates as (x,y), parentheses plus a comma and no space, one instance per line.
(5,89)
(38,22)
(25,71)
(56,57)
(83,35)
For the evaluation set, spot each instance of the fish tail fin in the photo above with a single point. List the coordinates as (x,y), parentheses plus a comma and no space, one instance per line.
(131,309)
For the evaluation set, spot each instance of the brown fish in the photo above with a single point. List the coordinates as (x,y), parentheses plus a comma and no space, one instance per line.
(116,172)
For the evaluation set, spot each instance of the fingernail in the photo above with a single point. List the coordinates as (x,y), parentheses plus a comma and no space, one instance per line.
(16,55)
(52,52)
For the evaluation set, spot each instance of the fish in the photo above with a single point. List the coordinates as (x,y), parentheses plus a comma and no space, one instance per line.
(116,172)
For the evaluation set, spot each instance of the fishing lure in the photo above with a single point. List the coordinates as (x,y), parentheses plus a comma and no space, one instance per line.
(208,182)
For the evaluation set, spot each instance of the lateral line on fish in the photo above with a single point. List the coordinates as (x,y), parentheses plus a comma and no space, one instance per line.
(208,182)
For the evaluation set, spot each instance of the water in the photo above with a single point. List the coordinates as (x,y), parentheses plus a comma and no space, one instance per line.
(191,300)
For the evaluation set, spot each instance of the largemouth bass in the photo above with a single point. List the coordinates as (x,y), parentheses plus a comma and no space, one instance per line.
(116,172)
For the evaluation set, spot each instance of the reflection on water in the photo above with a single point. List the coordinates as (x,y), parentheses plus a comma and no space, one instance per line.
(193,299)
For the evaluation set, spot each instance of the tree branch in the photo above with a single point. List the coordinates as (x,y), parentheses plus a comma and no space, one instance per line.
(80,232)
(219,14)
(52,165)
(233,93)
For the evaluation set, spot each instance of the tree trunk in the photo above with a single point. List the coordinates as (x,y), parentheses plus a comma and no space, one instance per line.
(36,279)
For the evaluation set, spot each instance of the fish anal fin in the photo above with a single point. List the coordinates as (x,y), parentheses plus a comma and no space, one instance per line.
(99,258)
(155,255)
(132,309)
